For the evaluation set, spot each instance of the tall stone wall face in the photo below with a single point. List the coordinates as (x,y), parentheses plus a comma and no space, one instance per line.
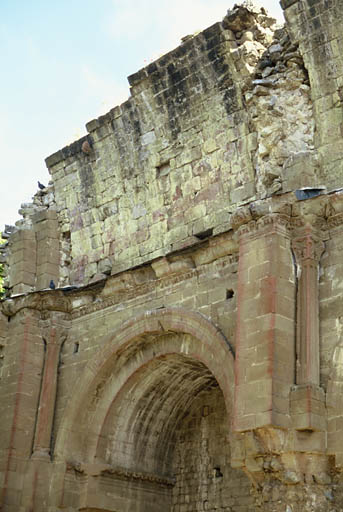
(162,167)
(190,145)
(224,119)
(171,336)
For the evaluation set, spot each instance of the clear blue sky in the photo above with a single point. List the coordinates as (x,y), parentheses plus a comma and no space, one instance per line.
(65,62)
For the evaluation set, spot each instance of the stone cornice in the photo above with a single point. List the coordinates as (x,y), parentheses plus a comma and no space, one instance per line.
(289,217)
(40,301)
(317,223)
(256,228)
(137,475)
(323,213)
(116,290)
(98,470)
(123,295)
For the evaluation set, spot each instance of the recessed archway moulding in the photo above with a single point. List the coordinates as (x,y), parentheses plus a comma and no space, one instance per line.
(141,340)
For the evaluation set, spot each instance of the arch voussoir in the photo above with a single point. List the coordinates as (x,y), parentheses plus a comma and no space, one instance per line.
(207,339)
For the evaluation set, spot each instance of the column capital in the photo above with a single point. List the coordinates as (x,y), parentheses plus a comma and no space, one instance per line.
(271,222)
(55,326)
(308,244)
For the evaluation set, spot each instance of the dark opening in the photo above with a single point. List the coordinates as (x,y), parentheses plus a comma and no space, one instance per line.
(76,347)
(229,294)
(217,472)
(204,234)
(163,169)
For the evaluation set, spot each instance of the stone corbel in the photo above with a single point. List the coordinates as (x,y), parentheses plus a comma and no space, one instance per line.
(307,397)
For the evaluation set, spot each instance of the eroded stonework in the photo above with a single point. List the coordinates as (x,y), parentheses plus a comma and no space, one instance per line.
(171,336)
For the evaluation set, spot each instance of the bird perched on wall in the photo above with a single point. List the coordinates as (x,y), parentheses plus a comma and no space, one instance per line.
(52,285)
(86,147)
(41,186)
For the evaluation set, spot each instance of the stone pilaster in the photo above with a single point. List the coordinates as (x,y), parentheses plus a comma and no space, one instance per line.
(55,333)
(54,328)
(308,248)
(307,397)
(20,384)
(265,324)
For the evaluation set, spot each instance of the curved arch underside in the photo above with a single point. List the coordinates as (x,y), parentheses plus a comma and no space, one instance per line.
(127,351)
(153,414)
(141,426)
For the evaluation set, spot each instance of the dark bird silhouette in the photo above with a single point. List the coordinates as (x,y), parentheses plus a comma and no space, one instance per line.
(86,147)
(41,186)
(52,285)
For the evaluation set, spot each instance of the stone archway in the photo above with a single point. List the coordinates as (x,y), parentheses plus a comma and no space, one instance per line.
(161,387)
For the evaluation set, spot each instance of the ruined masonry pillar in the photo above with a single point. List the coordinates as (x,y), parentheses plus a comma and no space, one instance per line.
(308,398)
(20,384)
(265,358)
(22,261)
(48,254)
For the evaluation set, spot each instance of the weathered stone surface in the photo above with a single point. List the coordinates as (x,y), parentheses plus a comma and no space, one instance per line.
(190,357)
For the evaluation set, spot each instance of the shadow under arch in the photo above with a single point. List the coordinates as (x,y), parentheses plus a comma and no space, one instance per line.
(140,429)
(120,357)
(124,417)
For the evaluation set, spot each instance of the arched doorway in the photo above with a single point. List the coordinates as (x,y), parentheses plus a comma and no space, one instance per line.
(153,422)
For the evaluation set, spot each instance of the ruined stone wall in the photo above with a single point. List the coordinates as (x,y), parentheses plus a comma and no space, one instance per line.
(153,191)
(195,150)
(194,237)
(317,27)
(223,119)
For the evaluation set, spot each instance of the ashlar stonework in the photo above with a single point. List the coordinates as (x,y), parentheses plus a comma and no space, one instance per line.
(190,357)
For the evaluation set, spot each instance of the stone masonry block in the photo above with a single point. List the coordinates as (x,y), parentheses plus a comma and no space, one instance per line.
(307,406)
(23,256)
(21,277)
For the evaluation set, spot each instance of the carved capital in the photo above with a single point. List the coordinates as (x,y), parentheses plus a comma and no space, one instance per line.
(272,222)
(308,246)
(55,327)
